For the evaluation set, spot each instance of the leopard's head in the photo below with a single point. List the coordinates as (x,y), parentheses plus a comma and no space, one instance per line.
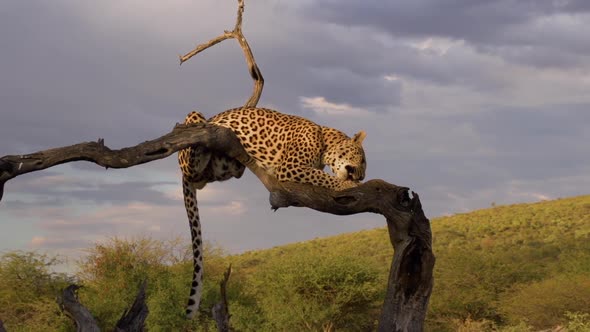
(346,158)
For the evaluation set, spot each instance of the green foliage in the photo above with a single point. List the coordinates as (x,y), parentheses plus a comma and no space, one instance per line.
(577,322)
(113,272)
(28,290)
(487,257)
(546,303)
(311,292)
(470,325)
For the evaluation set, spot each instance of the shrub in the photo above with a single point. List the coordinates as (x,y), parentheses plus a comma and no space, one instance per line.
(544,304)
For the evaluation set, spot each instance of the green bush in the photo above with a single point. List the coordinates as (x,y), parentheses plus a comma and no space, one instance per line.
(544,304)
(577,322)
(28,290)
(113,272)
(314,292)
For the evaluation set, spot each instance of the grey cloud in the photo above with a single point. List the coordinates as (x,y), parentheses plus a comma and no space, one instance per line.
(542,142)
(61,193)
(125,191)
(346,65)
(460,19)
(344,87)
(61,243)
(20,205)
(488,25)
(539,56)
(78,227)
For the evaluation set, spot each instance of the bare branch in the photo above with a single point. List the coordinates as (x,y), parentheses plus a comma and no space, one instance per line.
(236,34)
(182,136)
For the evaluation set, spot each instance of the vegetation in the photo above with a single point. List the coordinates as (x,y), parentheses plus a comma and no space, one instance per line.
(514,268)
(27,292)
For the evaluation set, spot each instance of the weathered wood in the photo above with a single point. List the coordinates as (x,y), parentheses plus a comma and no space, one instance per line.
(180,137)
(69,304)
(410,277)
(220,311)
(134,319)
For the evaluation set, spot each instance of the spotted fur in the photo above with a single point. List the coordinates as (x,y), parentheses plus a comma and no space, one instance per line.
(290,147)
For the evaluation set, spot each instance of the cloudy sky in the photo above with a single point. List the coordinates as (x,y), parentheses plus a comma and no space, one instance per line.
(467,102)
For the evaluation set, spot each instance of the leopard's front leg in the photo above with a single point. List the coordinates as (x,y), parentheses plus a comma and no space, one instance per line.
(314,176)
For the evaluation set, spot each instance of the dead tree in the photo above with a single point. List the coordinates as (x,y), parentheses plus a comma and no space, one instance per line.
(410,278)
(132,320)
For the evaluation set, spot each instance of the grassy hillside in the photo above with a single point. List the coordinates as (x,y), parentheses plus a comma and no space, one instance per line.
(554,223)
(520,264)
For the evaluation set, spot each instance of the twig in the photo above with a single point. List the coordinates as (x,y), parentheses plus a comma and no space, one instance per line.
(220,310)
(236,34)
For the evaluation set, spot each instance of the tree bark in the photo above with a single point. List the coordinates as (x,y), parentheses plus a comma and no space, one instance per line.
(410,276)
(70,305)
(220,311)
(132,320)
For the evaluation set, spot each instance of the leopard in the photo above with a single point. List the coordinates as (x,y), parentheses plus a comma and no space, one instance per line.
(288,147)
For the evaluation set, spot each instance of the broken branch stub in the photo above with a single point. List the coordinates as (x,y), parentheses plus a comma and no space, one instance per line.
(69,304)
(132,320)
(220,311)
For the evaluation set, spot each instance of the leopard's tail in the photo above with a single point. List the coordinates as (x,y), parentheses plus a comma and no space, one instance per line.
(192,211)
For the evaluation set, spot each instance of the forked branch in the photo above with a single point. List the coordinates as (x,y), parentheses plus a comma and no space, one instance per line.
(236,34)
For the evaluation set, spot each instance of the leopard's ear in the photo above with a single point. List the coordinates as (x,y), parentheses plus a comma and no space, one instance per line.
(359,137)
